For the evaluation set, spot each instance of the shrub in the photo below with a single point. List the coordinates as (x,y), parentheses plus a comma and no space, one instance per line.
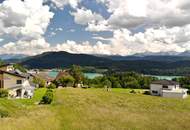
(41,82)
(133,91)
(4,113)
(3,93)
(146,92)
(51,86)
(188,92)
(48,97)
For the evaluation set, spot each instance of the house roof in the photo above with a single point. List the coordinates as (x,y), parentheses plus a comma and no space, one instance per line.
(61,74)
(12,73)
(44,76)
(165,82)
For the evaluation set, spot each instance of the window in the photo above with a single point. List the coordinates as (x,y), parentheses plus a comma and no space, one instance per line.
(1,86)
(165,86)
(19,82)
(155,92)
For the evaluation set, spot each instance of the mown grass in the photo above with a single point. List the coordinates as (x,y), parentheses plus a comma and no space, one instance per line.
(97,109)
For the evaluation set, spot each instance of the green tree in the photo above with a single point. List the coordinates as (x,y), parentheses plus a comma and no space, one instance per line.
(1,62)
(41,82)
(77,74)
(20,67)
(107,84)
(51,86)
(66,81)
(116,84)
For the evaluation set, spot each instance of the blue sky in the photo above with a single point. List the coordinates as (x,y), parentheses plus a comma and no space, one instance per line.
(71,30)
(111,27)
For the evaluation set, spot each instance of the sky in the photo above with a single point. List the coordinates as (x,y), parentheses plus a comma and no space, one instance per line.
(107,27)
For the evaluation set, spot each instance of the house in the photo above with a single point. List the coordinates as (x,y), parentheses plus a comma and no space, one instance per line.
(18,86)
(45,77)
(167,88)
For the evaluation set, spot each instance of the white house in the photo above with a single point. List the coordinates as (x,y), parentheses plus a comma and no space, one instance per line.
(18,85)
(167,88)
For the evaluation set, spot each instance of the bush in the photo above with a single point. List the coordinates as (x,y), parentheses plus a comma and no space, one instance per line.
(4,113)
(41,82)
(133,91)
(188,92)
(3,93)
(146,92)
(48,97)
(51,86)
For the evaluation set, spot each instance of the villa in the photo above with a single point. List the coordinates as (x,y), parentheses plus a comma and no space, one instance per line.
(167,88)
(17,84)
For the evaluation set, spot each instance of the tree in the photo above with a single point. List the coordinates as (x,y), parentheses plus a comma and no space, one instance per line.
(41,82)
(133,84)
(77,74)
(107,84)
(66,81)
(51,86)
(20,67)
(1,62)
(116,84)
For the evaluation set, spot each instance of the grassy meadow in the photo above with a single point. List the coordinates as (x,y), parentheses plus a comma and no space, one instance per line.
(96,109)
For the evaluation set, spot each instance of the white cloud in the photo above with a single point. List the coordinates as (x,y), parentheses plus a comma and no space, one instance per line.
(84,16)
(85,47)
(61,3)
(72,30)
(167,26)
(26,47)
(132,13)
(59,29)
(94,22)
(26,20)
(125,43)
(99,38)
(1,39)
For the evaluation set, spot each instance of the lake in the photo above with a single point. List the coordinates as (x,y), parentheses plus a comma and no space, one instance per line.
(164,77)
(92,75)
(53,74)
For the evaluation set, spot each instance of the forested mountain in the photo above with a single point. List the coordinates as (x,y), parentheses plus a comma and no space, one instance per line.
(164,65)
(64,59)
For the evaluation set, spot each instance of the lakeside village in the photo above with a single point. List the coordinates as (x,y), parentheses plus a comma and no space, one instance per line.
(22,84)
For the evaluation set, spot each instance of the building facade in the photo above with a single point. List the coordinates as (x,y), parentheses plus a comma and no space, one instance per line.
(167,88)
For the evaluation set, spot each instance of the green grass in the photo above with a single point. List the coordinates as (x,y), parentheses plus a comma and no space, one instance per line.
(97,109)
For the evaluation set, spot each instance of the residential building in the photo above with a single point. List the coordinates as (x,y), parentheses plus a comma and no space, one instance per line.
(167,88)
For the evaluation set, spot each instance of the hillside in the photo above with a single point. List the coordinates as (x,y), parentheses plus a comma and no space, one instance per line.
(97,109)
(64,59)
(159,65)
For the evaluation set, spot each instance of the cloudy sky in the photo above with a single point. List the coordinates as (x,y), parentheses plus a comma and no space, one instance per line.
(117,27)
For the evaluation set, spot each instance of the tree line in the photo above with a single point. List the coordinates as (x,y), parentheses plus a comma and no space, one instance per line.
(110,79)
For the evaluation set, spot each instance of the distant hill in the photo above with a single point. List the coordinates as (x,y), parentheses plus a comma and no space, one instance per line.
(63,59)
(159,65)
(164,58)
(12,56)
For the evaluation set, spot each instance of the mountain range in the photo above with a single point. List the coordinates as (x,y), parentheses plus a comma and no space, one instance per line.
(178,64)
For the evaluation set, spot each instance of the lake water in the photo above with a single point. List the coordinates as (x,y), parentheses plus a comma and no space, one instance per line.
(164,77)
(53,74)
(92,75)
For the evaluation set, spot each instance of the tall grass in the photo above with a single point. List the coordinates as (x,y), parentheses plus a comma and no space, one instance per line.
(97,109)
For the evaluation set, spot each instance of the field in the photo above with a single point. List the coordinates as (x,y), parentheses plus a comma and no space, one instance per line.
(96,109)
